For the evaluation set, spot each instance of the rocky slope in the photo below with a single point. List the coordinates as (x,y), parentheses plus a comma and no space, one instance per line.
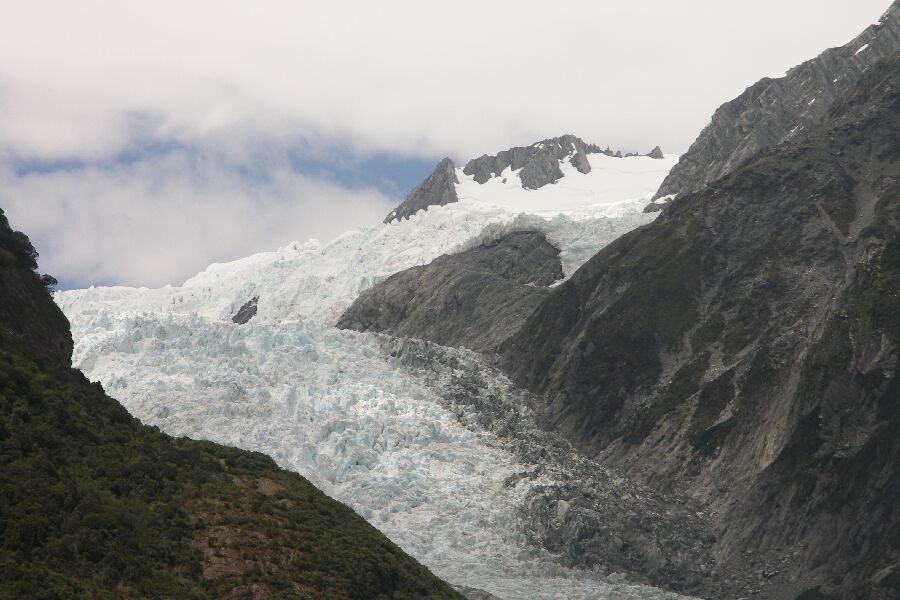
(94,504)
(436,190)
(588,515)
(473,299)
(773,110)
(743,348)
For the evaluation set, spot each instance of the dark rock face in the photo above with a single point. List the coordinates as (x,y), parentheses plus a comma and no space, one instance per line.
(246,312)
(656,153)
(772,110)
(436,190)
(27,313)
(539,162)
(579,160)
(744,348)
(473,299)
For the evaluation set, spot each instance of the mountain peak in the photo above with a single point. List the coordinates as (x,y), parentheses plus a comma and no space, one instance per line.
(774,110)
(437,189)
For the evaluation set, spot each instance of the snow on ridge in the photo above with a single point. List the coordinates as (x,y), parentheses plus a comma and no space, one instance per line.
(614,187)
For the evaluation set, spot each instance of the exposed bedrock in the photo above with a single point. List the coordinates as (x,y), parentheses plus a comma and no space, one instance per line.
(438,189)
(246,312)
(773,110)
(474,299)
(539,162)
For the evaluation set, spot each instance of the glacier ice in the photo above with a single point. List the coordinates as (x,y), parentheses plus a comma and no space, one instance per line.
(329,404)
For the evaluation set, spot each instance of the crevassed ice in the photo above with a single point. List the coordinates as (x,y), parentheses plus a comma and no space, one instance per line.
(327,404)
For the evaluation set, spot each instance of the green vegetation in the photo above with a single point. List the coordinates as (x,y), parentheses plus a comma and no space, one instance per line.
(95,505)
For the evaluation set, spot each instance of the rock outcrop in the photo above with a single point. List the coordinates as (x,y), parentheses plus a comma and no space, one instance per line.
(580,161)
(773,110)
(437,190)
(473,299)
(539,162)
(656,153)
(744,348)
(246,312)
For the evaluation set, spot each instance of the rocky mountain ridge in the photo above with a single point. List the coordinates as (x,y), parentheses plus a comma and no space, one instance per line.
(775,109)
(537,165)
(436,190)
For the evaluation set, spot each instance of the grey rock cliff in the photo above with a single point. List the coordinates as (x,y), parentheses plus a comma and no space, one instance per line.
(437,190)
(474,299)
(539,162)
(745,348)
(773,110)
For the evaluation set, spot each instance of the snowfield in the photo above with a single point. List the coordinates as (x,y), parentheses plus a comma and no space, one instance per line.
(330,404)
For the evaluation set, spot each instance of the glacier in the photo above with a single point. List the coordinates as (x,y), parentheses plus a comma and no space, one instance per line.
(334,405)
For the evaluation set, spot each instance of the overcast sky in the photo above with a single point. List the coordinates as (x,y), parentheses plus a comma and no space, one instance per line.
(140,141)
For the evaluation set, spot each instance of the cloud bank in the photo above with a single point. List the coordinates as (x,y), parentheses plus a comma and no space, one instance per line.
(461,78)
(160,220)
(88,86)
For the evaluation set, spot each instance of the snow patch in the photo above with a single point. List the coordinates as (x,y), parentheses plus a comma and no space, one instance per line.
(665,199)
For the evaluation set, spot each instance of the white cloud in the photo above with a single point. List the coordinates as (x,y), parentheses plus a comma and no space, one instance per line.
(86,81)
(407,76)
(163,219)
